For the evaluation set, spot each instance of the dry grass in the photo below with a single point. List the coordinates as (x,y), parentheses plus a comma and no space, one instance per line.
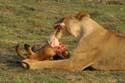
(31,21)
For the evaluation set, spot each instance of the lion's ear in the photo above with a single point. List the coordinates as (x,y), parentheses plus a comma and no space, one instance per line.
(81,14)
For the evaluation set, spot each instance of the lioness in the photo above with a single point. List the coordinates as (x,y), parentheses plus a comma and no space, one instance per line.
(97,47)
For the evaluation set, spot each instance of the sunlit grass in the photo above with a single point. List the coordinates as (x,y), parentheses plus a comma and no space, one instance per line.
(31,21)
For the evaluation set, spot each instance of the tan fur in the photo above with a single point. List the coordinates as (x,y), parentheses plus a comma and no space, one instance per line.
(97,47)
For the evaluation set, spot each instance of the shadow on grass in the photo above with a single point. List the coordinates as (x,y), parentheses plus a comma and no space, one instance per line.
(11,62)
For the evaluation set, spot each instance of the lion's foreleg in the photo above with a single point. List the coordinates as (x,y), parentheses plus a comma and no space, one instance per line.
(75,63)
(47,64)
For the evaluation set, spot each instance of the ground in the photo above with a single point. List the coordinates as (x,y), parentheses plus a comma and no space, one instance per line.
(31,21)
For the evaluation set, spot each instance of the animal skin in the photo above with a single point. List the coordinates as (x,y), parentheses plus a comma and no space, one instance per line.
(97,47)
(42,52)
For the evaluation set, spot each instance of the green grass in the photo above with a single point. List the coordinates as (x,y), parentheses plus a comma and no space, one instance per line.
(31,21)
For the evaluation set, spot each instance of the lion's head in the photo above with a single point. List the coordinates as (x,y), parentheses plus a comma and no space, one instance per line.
(74,25)
(70,24)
